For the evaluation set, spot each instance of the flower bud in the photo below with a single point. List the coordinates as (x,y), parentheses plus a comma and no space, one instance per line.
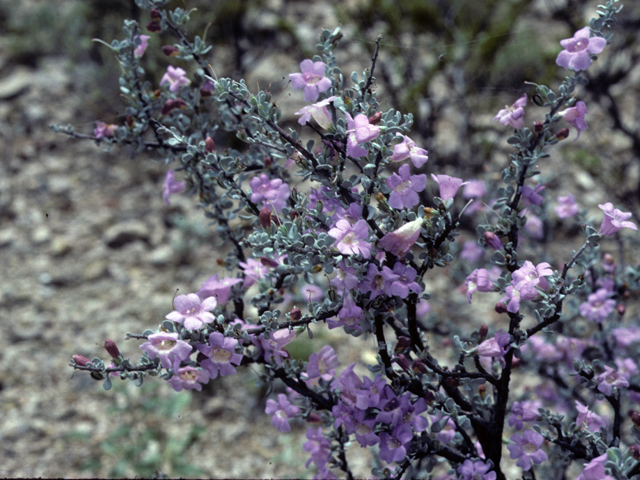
(157,93)
(562,134)
(155,14)
(403,344)
(428,212)
(314,418)
(265,217)
(267,262)
(501,308)
(80,360)
(293,214)
(295,314)
(154,27)
(492,240)
(418,366)
(375,118)
(635,451)
(380,197)
(621,309)
(209,145)
(112,348)
(129,121)
(482,391)
(538,127)
(170,50)
(268,162)
(482,332)
(402,361)
(635,418)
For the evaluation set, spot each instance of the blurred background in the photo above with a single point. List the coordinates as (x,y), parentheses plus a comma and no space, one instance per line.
(89,251)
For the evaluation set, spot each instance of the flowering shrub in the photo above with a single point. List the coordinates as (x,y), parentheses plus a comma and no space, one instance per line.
(359,235)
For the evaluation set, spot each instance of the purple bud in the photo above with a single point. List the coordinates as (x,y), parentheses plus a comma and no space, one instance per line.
(482,332)
(492,240)
(155,14)
(80,360)
(375,118)
(401,360)
(538,127)
(501,308)
(209,145)
(621,309)
(267,262)
(403,344)
(295,314)
(170,50)
(265,217)
(635,418)
(418,366)
(155,27)
(562,134)
(112,348)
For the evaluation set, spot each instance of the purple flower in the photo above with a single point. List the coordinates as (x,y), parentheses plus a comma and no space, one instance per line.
(221,353)
(599,306)
(176,78)
(318,111)
(526,411)
(625,336)
(323,364)
(495,347)
(474,189)
(532,276)
(594,470)
(627,367)
(576,51)
(531,196)
(281,410)
(477,470)
(254,270)
(373,282)
(171,186)
(478,280)
(513,115)
(318,446)
(349,315)
(350,238)
(274,345)
(167,347)
(312,79)
(400,280)
(359,130)
(408,149)
(189,378)
(610,378)
(221,289)
(363,428)
(345,278)
(614,220)
(191,311)
(400,241)
(392,446)
(142,46)
(575,117)
(103,130)
(586,417)
(567,207)
(272,193)
(448,431)
(404,188)
(448,185)
(527,449)
(534,226)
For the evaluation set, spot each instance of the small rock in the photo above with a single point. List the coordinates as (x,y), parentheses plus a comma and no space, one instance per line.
(127,232)
(161,256)
(95,270)
(60,246)
(17,83)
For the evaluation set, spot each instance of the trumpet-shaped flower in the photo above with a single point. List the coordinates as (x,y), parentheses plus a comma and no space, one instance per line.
(176,78)
(312,79)
(513,115)
(408,149)
(170,186)
(575,117)
(317,111)
(614,220)
(192,312)
(350,238)
(400,241)
(405,188)
(577,50)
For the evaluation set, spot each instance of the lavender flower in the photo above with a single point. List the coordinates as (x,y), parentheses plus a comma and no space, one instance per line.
(192,312)
(281,410)
(392,446)
(576,51)
(350,238)
(614,220)
(594,470)
(610,378)
(349,316)
(171,186)
(274,345)
(567,207)
(317,111)
(345,278)
(400,241)
(586,417)
(575,117)
(142,46)
(104,130)
(272,193)
(176,78)
(221,353)
(448,185)
(526,411)
(478,280)
(400,280)
(496,346)
(312,79)
(513,115)
(167,347)
(221,289)
(254,270)
(475,470)
(318,446)
(188,378)
(408,149)
(599,306)
(405,188)
(323,363)
(527,449)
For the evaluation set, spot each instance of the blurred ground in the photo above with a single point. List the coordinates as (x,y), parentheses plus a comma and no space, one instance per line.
(89,251)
